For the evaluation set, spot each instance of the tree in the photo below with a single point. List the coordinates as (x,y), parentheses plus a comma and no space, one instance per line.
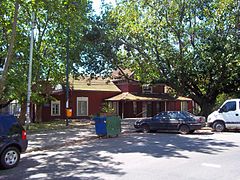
(98,55)
(192,46)
(49,60)
(8,37)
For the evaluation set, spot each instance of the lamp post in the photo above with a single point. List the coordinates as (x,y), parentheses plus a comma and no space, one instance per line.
(68,109)
(28,118)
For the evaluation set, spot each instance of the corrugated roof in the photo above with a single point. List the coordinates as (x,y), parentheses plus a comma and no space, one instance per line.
(95,84)
(131,97)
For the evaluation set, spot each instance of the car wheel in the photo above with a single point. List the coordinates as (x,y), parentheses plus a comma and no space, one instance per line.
(184,129)
(218,126)
(145,128)
(10,157)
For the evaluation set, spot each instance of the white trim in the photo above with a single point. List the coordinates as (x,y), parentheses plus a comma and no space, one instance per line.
(59,111)
(82,99)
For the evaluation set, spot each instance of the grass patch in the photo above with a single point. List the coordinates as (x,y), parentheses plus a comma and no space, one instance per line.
(55,125)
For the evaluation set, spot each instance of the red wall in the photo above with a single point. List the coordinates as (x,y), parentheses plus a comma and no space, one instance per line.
(46,110)
(95,101)
(171,106)
(125,87)
(178,106)
(137,87)
(190,106)
(159,88)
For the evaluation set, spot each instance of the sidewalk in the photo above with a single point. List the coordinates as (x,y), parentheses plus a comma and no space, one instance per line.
(57,138)
(63,137)
(50,139)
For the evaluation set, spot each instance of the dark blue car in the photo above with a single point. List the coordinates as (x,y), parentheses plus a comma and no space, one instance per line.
(169,121)
(13,141)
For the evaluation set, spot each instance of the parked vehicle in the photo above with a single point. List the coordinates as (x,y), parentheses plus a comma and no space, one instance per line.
(13,141)
(200,119)
(169,121)
(226,117)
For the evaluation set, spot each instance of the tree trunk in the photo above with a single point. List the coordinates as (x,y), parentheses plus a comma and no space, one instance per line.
(206,104)
(22,116)
(39,113)
(10,49)
(206,109)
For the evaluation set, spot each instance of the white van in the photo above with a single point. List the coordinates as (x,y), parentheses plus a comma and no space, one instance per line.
(226,117)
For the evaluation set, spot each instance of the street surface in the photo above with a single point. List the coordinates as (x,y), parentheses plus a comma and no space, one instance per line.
(163,156)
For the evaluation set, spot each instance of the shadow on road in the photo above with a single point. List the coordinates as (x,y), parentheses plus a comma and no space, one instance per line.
(87,161)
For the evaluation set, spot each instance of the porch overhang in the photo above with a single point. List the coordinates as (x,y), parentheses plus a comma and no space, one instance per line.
(126,96)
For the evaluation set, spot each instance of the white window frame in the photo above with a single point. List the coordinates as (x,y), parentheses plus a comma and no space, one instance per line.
(82,99)
(147,89)
(183,107)
(55,103)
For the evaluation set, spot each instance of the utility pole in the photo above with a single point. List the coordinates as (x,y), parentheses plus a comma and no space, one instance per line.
(28,118)
(67,77)
(68,108)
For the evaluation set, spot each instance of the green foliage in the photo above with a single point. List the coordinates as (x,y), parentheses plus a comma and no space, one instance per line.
(98,56)
(52,18)
(192,46)
(106,108)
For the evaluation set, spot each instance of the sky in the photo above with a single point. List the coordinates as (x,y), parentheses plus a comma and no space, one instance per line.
(97,4)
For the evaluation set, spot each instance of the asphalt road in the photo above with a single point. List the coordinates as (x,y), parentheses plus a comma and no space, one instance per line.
(163,156)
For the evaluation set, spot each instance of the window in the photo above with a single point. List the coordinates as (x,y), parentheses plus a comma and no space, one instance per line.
(161,116)
(55,108)
(82,106)
(229,106)
(184,106)
(176,115)
(147,89)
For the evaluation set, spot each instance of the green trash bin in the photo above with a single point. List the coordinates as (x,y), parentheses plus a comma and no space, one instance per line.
(113,124)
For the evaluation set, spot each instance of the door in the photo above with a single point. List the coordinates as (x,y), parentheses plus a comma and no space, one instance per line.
(231,115)
(160,121)
(175,120)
